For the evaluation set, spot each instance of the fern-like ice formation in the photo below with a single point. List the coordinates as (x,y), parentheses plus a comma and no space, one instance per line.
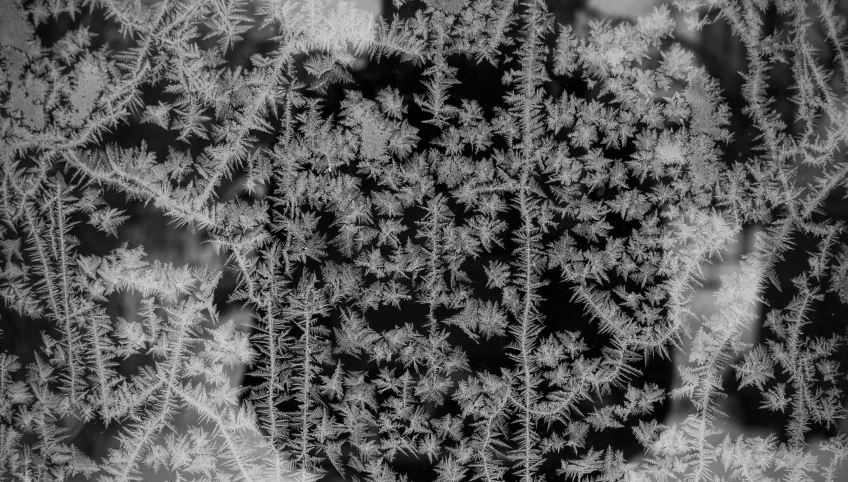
(463,269)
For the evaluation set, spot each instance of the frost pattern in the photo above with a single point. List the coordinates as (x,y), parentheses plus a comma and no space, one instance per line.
(463,270)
